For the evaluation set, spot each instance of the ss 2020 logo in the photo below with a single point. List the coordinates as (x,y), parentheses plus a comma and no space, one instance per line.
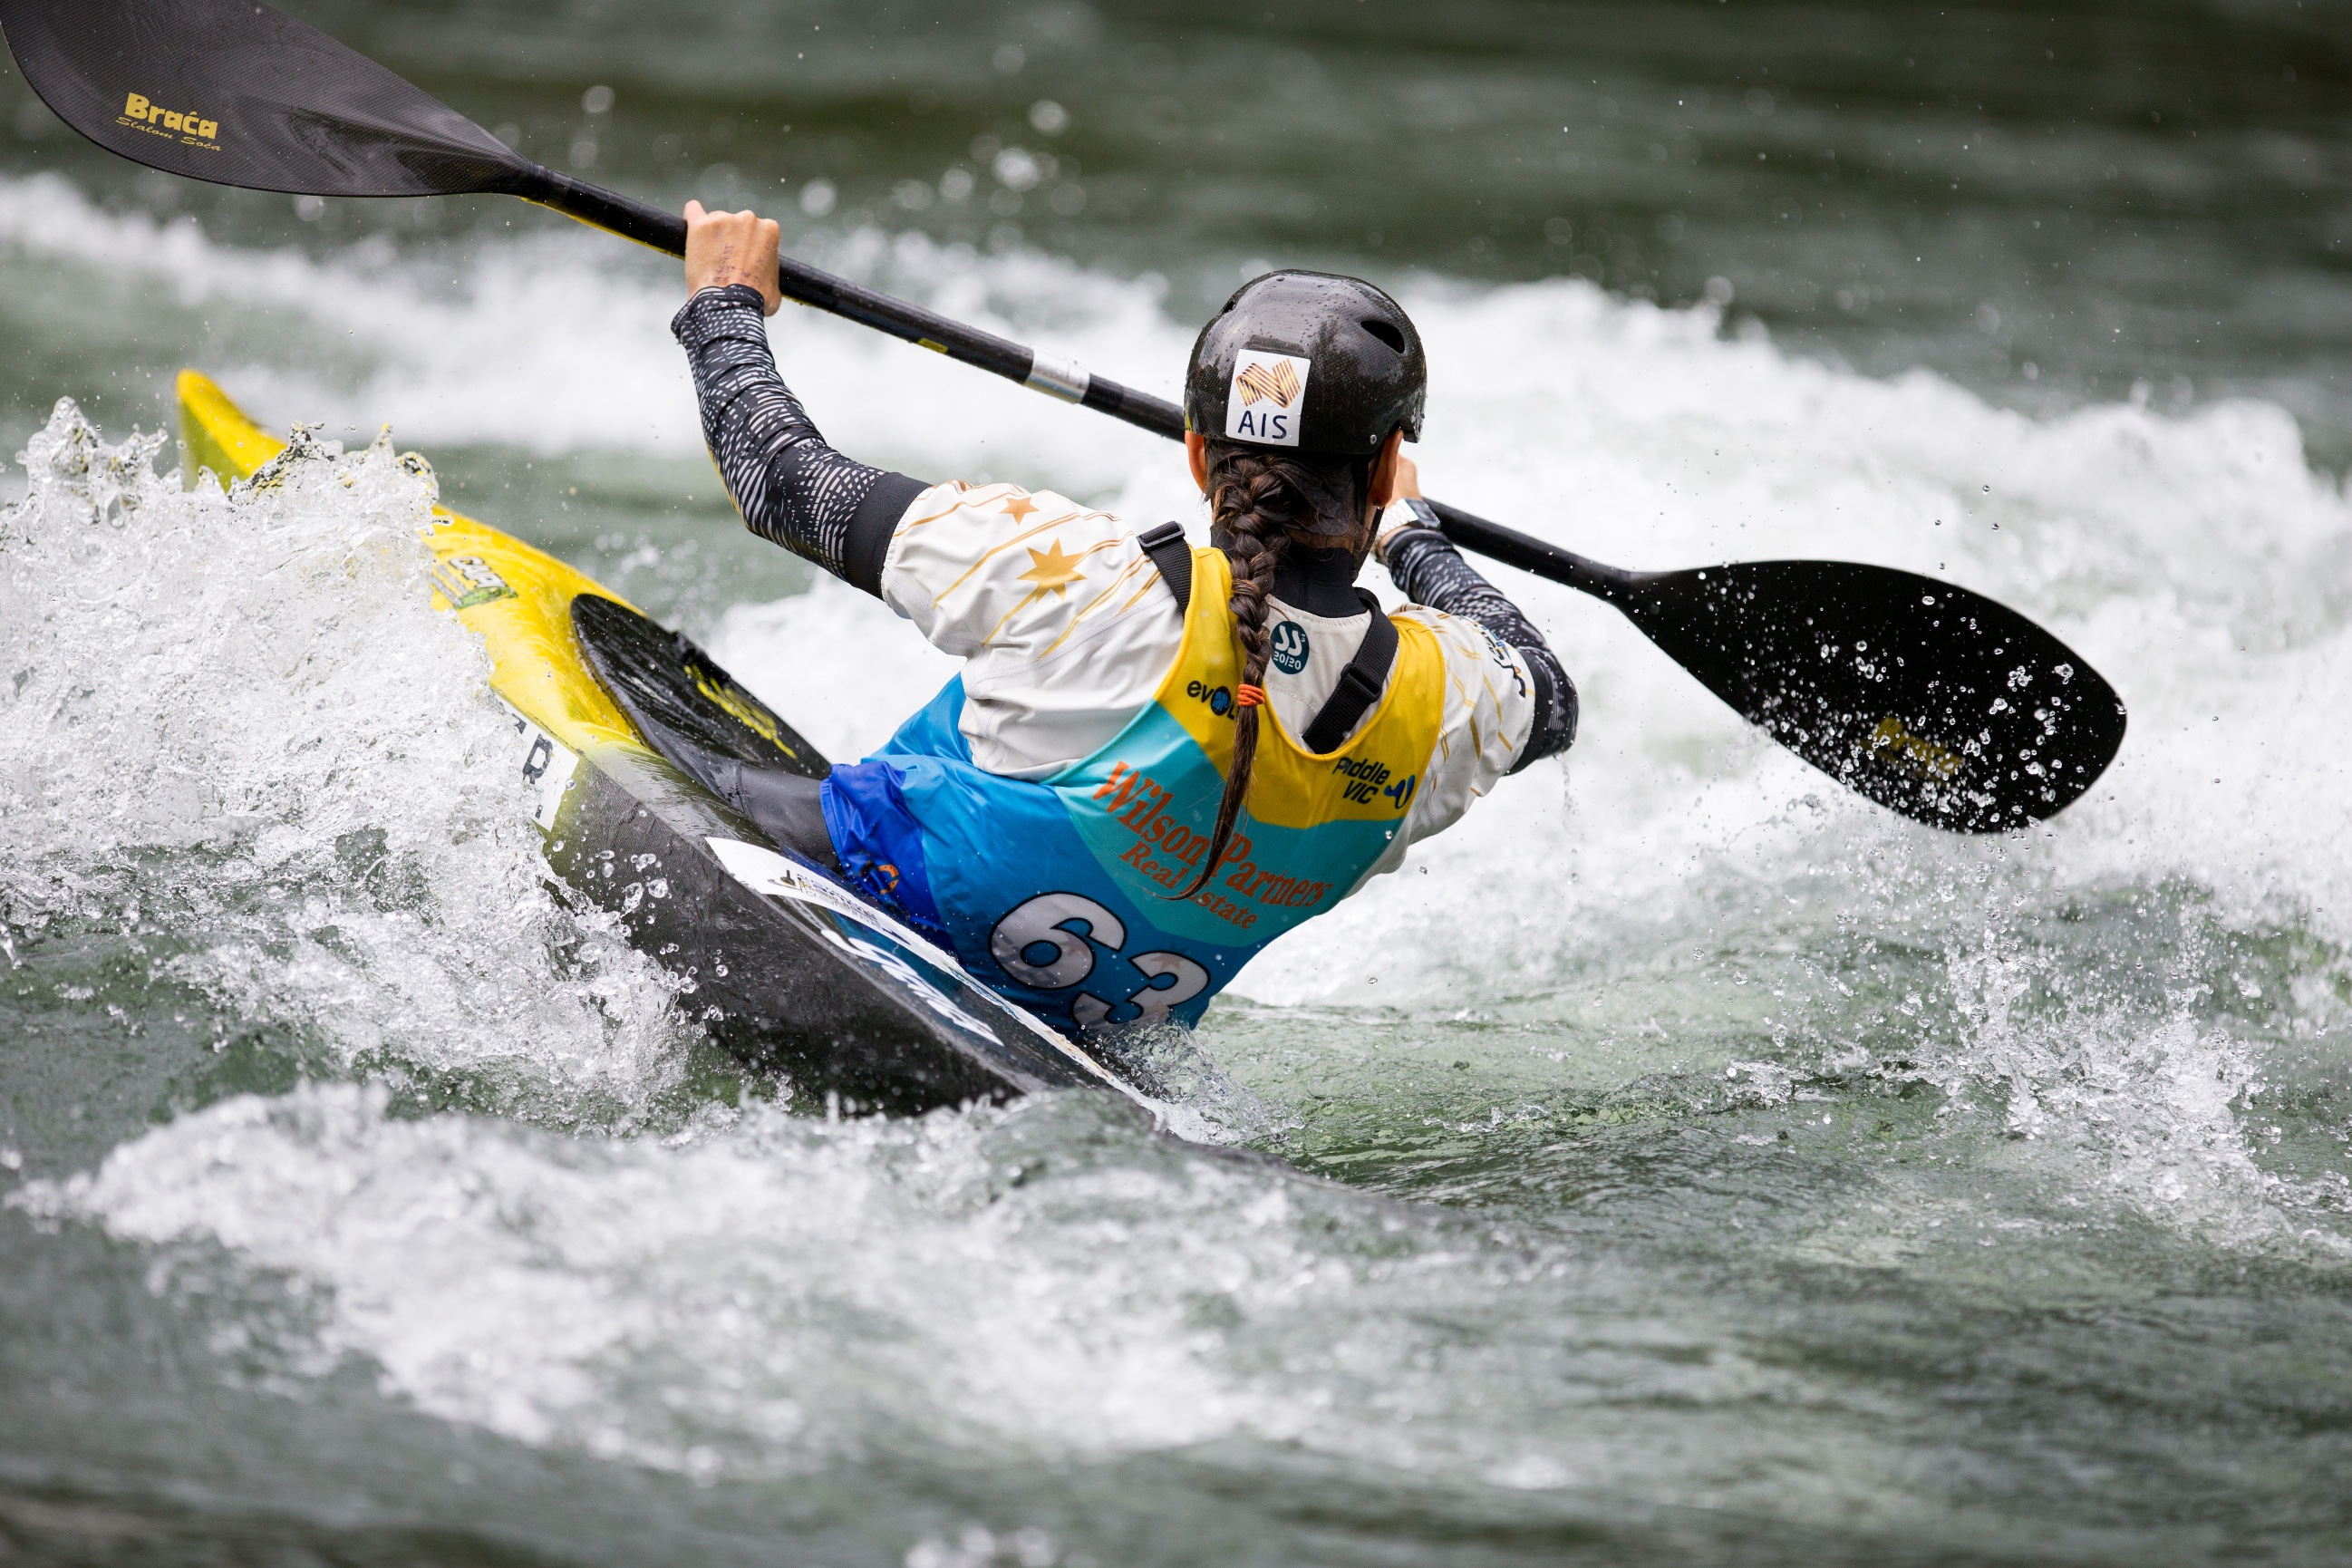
(1060,941)
(1289,648)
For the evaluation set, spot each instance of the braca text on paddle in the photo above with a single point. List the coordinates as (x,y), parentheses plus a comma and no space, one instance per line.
(241,95)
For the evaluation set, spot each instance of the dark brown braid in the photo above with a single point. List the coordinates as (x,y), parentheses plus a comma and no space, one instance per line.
(1256,499)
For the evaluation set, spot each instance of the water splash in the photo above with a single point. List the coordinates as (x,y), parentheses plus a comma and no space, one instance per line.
(2153,1103)
(760,1295)
(237,732)
(1681,916)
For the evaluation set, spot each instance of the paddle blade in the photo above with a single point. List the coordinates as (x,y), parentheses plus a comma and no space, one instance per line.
(1932,701)
(238,94)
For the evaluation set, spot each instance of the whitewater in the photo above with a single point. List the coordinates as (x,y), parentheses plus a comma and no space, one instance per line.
(1678,1140)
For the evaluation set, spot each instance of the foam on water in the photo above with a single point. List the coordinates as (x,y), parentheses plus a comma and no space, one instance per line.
(560,343)
(760,1294)
(237,732)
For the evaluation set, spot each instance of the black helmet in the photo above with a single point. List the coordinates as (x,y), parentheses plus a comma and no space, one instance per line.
(1308,360)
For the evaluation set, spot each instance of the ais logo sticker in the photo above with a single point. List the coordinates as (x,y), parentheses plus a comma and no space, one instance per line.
(1269,394)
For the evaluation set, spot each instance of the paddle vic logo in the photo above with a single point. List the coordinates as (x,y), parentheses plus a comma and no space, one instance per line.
(183,125)
(1267,397)
(1367,778)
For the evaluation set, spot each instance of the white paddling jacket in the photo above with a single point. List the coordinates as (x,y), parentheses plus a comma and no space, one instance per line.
(995,818)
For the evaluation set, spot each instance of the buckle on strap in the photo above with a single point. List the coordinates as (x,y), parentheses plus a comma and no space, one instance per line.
(1164,543)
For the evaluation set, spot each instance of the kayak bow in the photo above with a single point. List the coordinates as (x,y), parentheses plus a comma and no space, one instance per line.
(784,965)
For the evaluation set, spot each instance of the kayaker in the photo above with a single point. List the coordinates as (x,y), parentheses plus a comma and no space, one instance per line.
(1099,815)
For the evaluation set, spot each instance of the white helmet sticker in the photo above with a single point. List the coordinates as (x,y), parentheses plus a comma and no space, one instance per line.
(1269,394)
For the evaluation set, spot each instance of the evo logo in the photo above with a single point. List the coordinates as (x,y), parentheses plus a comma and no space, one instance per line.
(1268,398)
(187,125)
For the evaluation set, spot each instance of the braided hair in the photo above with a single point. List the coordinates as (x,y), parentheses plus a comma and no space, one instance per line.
(1260,505)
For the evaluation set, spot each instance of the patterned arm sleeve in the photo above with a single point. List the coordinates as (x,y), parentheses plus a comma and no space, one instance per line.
(790,487)
(1428,570)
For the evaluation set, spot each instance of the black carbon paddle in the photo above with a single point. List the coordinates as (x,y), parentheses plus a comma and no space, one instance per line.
(1931,700)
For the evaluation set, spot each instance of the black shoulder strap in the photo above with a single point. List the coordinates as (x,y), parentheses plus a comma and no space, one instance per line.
(1360,684)
(1165,544)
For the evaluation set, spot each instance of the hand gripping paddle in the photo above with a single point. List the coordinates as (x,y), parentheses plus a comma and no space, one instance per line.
(1928,698)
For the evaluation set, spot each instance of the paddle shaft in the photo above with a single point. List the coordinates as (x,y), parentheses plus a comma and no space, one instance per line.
(814,287)
(1060,378)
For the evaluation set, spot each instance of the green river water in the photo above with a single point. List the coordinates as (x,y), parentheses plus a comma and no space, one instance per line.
(1680,1161)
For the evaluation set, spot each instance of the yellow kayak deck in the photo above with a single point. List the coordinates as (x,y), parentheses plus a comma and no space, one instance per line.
(518,598)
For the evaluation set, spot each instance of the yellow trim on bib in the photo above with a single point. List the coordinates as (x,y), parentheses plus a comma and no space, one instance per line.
(1372,777)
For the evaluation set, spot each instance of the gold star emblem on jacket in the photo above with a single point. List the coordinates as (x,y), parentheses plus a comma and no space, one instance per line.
(1049,568)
